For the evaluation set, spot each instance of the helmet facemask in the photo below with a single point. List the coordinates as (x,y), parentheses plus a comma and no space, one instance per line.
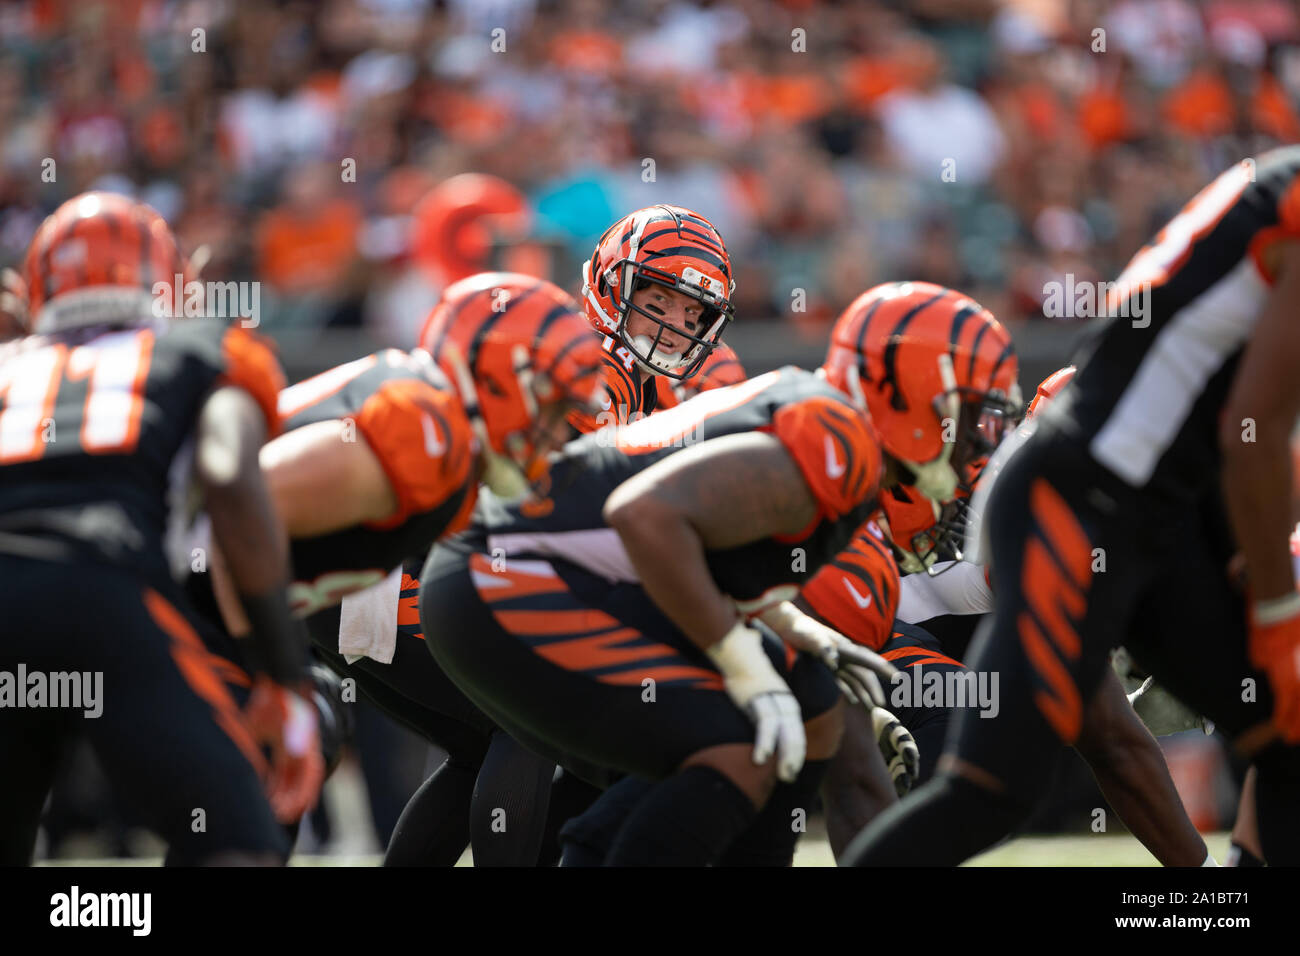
(975,422)
(630,277)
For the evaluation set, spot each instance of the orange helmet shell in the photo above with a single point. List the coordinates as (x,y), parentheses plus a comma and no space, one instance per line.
(895,338)
(454,224)
(675,247)
(95,260)
(524,342)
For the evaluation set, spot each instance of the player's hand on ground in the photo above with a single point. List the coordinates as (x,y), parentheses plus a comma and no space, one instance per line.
(1275,649)
(284,721)
(759,691)
(898,747)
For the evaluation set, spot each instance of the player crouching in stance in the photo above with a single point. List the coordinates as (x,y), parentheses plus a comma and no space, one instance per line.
(615,624)
(383,455)
(106,413)
(1167,451)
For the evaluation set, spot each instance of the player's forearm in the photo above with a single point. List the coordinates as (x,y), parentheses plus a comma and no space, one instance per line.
(669,558)
(1131,771)
(1257,489)
(247,531)
(244,522)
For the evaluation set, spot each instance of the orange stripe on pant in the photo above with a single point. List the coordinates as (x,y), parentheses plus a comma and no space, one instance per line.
(1062,708)
(931,657)
(569,621)
(512,583)
(703,679)
(194,663)
(601,650)
(1055,576)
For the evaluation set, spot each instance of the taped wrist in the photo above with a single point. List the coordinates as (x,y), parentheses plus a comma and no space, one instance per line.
(1272,632)
(279,646)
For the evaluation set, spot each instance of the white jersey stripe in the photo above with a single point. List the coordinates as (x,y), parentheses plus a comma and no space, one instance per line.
(1189,349)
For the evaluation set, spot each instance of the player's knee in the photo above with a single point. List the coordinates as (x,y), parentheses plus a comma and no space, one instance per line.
(736,763)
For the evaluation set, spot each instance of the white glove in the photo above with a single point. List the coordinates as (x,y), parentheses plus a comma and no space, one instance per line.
(898,747)
(757,689)
(858,670)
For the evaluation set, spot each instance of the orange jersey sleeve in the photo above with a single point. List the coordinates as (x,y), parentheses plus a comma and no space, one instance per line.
(857,592)
(836,448)
(250,364)
(620,401)
(424,443)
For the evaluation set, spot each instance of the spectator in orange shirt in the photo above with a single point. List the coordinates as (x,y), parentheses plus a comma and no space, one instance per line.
(308,244)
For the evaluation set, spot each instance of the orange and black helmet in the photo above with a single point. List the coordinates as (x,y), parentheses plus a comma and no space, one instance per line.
(669,246)
(516,347)
(937,372)
(98,259)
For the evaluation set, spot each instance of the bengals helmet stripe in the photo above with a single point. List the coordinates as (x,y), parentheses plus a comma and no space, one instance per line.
(918,354)
(718,261)
(958,322)
(509,357)
(493,317)
(563,353)
(891,348)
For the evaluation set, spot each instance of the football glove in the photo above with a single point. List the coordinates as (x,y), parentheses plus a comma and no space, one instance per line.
(898,747)
(284,722)
(1274,646)
(858,670)
(758,690)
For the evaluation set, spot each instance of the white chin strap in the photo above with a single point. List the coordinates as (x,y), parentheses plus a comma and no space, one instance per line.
(659,361)
(936,479)
(503,477)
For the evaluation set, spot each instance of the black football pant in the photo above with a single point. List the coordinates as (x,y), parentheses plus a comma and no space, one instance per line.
(168,734)
(590,672)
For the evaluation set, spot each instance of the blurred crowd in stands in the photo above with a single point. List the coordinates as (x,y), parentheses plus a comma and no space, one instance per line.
(992,145)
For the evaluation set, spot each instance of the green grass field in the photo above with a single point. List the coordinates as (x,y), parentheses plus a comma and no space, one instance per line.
(356,846)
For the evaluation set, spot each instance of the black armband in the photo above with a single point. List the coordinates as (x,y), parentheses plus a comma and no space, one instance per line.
(280,642)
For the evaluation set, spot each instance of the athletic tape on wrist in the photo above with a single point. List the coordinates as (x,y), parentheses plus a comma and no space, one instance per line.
(1274,610)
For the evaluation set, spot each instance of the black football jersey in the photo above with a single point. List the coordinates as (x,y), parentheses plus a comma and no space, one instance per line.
(399,404)
(95,435)
(832,442)
(1153,380)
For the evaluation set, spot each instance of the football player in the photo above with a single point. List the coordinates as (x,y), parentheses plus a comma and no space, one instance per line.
(383,455)
(1124,757)
(656,290)
(1167,453)
(109,417)
(617,624)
